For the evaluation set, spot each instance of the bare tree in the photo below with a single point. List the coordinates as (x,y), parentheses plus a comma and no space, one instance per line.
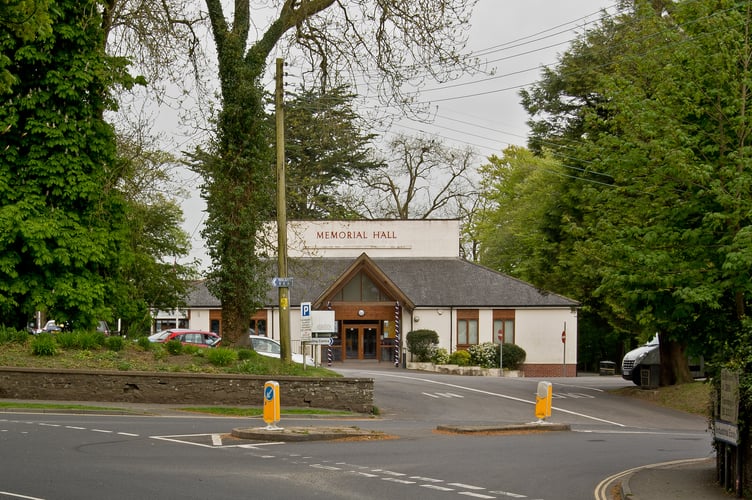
(423,178)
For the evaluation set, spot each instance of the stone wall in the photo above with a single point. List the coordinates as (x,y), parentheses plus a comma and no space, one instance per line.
(351,394)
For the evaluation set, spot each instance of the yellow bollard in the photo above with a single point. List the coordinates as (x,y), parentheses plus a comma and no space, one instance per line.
(271,404)
(543,401)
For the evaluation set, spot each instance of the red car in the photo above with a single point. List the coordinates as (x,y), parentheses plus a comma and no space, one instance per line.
(187,337)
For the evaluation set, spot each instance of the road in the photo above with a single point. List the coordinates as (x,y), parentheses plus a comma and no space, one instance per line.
(65,456)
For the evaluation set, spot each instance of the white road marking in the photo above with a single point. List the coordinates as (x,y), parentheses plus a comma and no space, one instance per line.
(436,487)
(496,394)
(16,495)
(475,495)
(466,486)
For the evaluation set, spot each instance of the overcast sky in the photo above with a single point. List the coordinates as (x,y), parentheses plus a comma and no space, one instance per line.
(517,38)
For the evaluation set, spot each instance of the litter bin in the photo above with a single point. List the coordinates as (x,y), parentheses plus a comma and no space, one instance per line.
(607,368)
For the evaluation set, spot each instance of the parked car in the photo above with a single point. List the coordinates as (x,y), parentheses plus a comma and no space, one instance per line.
(271,348)
(50,327)
(187,337)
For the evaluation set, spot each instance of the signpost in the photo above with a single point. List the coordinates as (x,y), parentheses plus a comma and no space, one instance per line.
(501,357)
(306,321)
(564,342)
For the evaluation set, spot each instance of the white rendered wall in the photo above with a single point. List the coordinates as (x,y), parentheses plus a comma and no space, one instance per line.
(538,332)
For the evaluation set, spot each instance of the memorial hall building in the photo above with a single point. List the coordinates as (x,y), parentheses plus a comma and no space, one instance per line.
(377,280)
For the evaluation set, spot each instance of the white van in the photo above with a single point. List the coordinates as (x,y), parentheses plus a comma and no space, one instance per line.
(648,354)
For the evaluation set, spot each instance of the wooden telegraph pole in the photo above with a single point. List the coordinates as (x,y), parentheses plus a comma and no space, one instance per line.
(284,290)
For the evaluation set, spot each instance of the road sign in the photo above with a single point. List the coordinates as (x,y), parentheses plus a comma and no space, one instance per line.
(564,337)
(306,321)
(501,335)
(281,282)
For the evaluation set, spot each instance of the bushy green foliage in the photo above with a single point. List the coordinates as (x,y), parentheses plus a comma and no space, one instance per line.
(485,355)
(43,345)
(193,350)
(173,347)
(244,354)
(89,340)
(221,356)
(439,355)
(144,343)
(114,343)
(66,340)
(513,356)
(8,334)
(419,343)
(459,358)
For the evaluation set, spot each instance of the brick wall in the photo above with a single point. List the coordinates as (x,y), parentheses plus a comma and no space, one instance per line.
(548,370)
(351,394)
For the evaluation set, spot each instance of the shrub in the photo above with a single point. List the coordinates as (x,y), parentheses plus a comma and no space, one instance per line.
(115,344)
(220,356)
(43,345)
(66,340)
(244,354)
(512,356)
(439,355)
(174,347)
(459,358)
(89,340)
(8,335)
(144,343)
(420,341)
(485,355)
(193,350)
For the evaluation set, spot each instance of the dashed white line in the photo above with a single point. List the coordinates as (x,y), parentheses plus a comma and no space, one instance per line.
(474,495)
(395,480)
(466,486)
(436,487)
(104,431)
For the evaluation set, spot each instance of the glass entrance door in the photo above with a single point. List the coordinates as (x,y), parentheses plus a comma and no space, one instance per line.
(361,341)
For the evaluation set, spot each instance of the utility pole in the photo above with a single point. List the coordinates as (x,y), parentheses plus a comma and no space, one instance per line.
(284,291)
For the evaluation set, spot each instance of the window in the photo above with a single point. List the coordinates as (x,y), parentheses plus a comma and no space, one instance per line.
(258,327)
(503,323)
(360,288)
(467,328)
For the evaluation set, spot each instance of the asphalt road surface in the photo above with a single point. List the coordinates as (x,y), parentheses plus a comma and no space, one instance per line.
(67,456)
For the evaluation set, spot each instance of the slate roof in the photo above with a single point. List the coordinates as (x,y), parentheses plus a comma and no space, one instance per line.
(427,282)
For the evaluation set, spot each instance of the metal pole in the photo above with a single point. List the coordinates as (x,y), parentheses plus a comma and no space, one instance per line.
(564,341)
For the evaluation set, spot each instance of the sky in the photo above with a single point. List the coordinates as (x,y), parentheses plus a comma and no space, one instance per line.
(483,112)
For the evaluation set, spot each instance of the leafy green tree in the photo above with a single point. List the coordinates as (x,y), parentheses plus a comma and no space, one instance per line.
(334,36)
(150,277)
(664,115)
(326,147)
(60,228)
(24,21)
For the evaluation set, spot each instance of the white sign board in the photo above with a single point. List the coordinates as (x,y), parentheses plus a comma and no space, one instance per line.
(323,322)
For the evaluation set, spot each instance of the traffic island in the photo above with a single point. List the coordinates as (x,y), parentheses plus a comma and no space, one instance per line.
(533,427)
(298,434)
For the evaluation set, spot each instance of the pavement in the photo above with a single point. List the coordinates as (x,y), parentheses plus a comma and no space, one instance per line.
(678,480)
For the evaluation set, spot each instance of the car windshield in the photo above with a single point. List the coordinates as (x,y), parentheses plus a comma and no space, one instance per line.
(265,345)
(160,335)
